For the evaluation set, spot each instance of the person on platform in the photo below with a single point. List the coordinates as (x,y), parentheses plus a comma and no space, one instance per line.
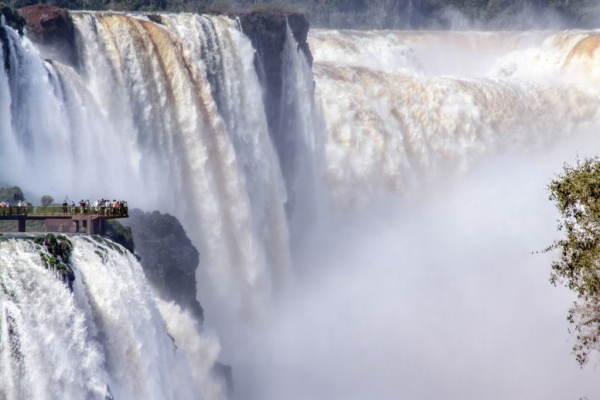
(65,207)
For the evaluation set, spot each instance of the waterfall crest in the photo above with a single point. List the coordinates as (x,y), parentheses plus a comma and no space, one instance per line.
(168,114)
(403,107)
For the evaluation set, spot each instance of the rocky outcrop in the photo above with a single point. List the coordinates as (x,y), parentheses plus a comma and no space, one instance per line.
(168,257)
(57,256)
(13,18)
(16,21)
(267,31)
(53,30)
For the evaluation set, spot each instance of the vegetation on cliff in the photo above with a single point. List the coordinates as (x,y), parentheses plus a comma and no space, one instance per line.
(57,256)
(120,234)
(13,18)
(576,194)
(374,14)
(440,14)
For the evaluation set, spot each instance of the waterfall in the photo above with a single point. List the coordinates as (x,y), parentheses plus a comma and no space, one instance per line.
(300,152)
(403,108)
(169,115)
(398,191)
(422,283)
(105,338)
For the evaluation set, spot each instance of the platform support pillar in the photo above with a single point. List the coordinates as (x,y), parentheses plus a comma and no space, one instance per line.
(22,224)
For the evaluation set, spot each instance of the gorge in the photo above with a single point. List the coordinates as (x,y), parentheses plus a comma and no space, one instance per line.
(365,205)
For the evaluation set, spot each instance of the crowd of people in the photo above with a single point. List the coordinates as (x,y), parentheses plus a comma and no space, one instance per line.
(109,208)
(114,208)
(20,208)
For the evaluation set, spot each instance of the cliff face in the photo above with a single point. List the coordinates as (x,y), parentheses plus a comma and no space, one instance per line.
(16,21)
(52,29)
(267,31)
(168,257)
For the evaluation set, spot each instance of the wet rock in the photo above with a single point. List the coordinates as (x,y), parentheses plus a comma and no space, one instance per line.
(267,32)
(53,30)
(168,257)
(13,18)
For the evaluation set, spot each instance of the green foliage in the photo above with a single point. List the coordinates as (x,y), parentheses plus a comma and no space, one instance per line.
(13,18)
(120,234)
(280,7)
(57,255)
(358,14)
(47,200)
(12,194)
(576,194)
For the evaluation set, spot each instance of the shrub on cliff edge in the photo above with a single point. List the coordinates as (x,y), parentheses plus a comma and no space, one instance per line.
(576,194)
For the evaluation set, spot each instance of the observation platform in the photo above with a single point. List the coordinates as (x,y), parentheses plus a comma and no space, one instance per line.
(64,219)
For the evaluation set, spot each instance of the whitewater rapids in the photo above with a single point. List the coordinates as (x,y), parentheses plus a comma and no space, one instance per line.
(105,338)
(423,156)
(402,107)
(438,147)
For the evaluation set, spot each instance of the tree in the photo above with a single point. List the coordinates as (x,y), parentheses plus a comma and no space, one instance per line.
(576,193)
(47,200)
(12,194)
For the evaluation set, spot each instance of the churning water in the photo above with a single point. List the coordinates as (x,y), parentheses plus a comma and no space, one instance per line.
(438,148)
(423,156)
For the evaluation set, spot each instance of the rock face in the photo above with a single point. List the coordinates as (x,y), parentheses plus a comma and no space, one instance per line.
(168,257)
(13,18)
(52,29)
(16,21)
(267,31)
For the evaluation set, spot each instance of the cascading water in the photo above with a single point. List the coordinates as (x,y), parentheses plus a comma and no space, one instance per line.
(438,146)
(300,154)
(391,303)
(398,119)
(169,116)
(106,338)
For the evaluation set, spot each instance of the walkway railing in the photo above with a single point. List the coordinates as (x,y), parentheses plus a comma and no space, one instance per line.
(63,211)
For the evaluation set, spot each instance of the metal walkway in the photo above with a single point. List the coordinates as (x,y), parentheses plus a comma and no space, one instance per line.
(64,219)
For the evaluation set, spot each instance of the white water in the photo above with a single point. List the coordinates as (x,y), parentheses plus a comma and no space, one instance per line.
(202,349)
(423,285)
(433,148)
(168,116)
(107,333)
(396,122)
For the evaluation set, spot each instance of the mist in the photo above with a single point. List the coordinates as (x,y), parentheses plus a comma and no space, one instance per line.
(421,279)
(432,295)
